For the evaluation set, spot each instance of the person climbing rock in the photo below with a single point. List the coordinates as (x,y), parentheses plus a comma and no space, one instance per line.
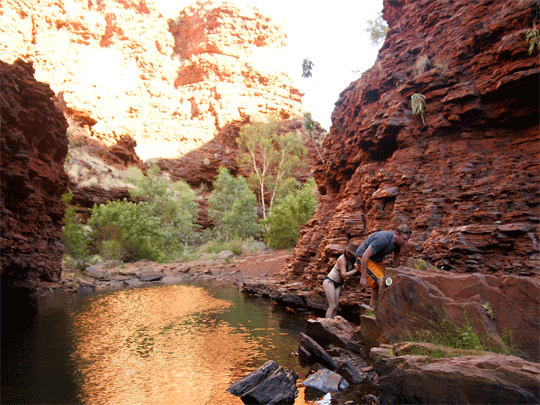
(344,267)
(370,255)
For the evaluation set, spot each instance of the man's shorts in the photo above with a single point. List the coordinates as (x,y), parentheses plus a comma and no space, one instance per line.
(374,273)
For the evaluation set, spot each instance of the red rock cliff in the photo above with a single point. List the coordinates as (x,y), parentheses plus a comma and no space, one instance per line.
(33,147)
(467,182)
(120,68)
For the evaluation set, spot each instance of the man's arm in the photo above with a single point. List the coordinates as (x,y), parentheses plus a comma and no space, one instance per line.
(396,260)
(365,257)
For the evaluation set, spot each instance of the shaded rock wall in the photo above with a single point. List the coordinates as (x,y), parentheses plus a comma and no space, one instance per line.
(32,179)
(120,68)
(467,182)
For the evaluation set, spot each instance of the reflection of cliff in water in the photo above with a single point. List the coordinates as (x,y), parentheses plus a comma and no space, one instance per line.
(168,344)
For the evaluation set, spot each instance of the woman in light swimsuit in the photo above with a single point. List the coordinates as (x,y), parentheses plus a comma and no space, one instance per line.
(332,284)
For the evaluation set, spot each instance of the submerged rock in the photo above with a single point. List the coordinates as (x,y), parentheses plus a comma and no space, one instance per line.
(326,381)
(269,384)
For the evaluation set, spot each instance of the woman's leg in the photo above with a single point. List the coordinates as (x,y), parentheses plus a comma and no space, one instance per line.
(330,292)
(338,292)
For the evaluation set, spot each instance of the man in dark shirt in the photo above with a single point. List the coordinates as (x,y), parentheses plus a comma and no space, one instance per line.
(371,253)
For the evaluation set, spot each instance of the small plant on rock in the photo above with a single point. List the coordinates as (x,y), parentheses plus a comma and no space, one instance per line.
(532,39)
(421,264)
(418,104)
(489,310)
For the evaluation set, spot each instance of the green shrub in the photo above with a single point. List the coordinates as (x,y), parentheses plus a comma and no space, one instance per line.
(75,237)
(173,203)
(441,330)
(127,231)
(215,246)
(232,206)
(288,215)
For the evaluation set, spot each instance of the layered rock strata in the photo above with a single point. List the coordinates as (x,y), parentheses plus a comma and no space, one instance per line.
(467,180)
(121,68)
(34,147)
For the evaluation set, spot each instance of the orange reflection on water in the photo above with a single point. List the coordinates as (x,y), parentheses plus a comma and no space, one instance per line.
(159,346)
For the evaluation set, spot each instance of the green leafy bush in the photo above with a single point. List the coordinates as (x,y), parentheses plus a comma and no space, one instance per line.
(232,206)
(127,231)
(156,229)
(288,215)
(75,237)
(173,203)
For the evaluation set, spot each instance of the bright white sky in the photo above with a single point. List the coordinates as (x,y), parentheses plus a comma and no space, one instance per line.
(332,34)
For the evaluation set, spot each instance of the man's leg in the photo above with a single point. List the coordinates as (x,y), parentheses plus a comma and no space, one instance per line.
(374,296)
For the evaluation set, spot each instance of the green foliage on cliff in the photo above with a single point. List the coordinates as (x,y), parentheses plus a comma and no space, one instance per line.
(75,237)
(532,39)
(377,29)
(288,215)
(232,206)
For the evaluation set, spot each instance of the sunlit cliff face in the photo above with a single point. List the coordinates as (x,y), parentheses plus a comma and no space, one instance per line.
(122,68)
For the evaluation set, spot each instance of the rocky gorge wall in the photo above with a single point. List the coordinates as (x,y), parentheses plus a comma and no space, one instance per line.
(122,68)
(33,146)
(466,182)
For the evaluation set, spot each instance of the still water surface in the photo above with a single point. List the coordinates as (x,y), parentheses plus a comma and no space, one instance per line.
(169,344)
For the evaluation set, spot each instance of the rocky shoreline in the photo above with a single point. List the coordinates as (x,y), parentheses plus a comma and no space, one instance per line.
(353,353)
(223,269)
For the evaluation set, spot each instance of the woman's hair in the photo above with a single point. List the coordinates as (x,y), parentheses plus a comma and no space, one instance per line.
(404,229)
